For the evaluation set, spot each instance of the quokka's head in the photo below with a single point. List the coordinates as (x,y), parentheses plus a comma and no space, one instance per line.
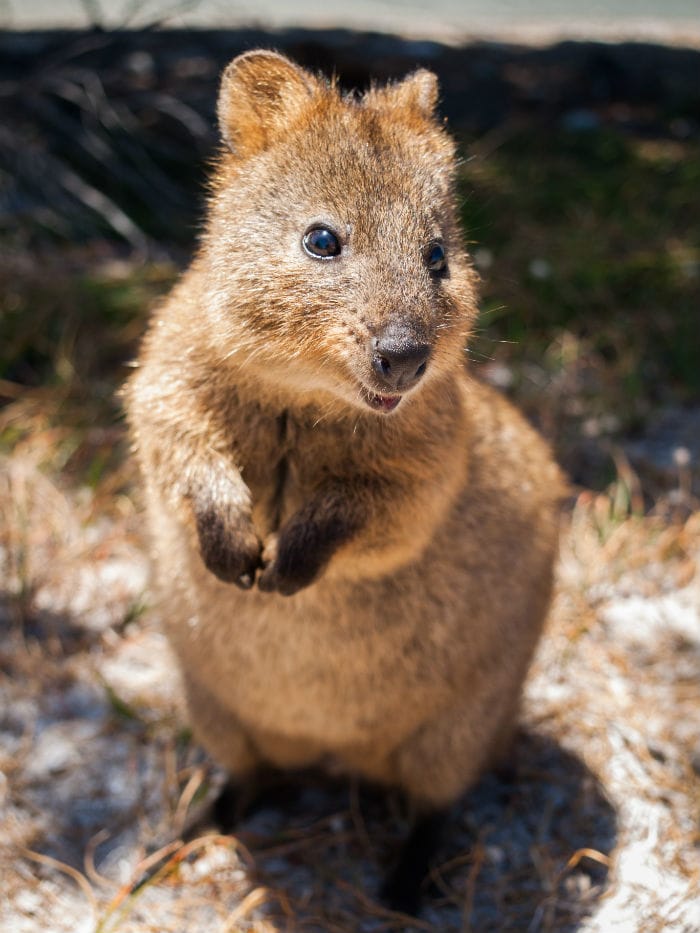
(332,248)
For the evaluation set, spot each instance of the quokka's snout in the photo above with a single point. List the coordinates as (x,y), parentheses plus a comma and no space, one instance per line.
(399,355)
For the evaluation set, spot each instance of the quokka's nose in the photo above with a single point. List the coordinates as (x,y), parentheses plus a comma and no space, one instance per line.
(398,358)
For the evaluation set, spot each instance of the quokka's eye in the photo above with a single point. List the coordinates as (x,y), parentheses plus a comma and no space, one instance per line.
(435,258)
(321,243)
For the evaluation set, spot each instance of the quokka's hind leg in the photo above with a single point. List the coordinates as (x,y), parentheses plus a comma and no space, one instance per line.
(224,738)
(240,797)
(403,886)
(259,768)
(220,732)
(435,766)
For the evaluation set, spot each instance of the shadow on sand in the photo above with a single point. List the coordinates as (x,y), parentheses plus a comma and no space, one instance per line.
(523,853)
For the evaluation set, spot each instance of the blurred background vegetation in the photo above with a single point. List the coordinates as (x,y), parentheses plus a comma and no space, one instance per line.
(579,194)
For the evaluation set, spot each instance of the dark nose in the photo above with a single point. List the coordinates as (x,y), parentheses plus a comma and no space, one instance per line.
(399,359)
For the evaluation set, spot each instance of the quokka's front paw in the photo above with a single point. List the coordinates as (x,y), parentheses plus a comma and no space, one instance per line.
(286,568)
(299,554)
(230,548)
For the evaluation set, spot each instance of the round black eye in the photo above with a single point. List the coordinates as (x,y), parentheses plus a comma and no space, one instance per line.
(321,243)
(435,258)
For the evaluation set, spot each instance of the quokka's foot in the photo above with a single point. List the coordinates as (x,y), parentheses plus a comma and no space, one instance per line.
(402,890)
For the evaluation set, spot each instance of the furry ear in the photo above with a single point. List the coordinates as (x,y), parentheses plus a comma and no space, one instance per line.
(418,92)
(260,93)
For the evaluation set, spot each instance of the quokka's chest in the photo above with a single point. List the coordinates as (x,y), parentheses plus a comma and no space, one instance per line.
(285,459)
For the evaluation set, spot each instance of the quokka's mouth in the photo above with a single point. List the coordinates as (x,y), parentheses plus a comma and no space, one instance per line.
(380,403)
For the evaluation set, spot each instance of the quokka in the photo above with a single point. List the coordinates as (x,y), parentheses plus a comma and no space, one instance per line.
(353,538)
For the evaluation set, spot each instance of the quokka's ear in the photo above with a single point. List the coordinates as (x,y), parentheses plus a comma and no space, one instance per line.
(418,92)
(260,93)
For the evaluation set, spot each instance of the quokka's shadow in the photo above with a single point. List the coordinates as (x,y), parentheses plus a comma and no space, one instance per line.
(513,859)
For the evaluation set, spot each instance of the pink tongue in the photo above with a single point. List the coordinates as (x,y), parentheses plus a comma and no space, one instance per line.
(388,402)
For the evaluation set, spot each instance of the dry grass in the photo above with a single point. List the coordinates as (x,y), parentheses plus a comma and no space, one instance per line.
(597,831)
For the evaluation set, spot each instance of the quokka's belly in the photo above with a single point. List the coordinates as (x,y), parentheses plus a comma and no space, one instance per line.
(328,665)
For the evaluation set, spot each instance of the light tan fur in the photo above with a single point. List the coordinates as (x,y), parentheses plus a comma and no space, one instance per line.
(403,658)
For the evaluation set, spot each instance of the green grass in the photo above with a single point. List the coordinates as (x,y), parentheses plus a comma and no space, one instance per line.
(61,328)
(598,235)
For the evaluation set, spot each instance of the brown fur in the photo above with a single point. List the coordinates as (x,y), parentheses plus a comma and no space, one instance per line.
(416,546)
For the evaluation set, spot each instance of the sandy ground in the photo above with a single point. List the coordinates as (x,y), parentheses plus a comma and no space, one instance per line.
(596,831)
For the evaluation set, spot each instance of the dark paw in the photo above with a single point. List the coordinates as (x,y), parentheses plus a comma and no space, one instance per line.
(230,548)
(304,546)
(265,788)
(287,575)
(403,888)
(401,895)
(292,562)
(228,808)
